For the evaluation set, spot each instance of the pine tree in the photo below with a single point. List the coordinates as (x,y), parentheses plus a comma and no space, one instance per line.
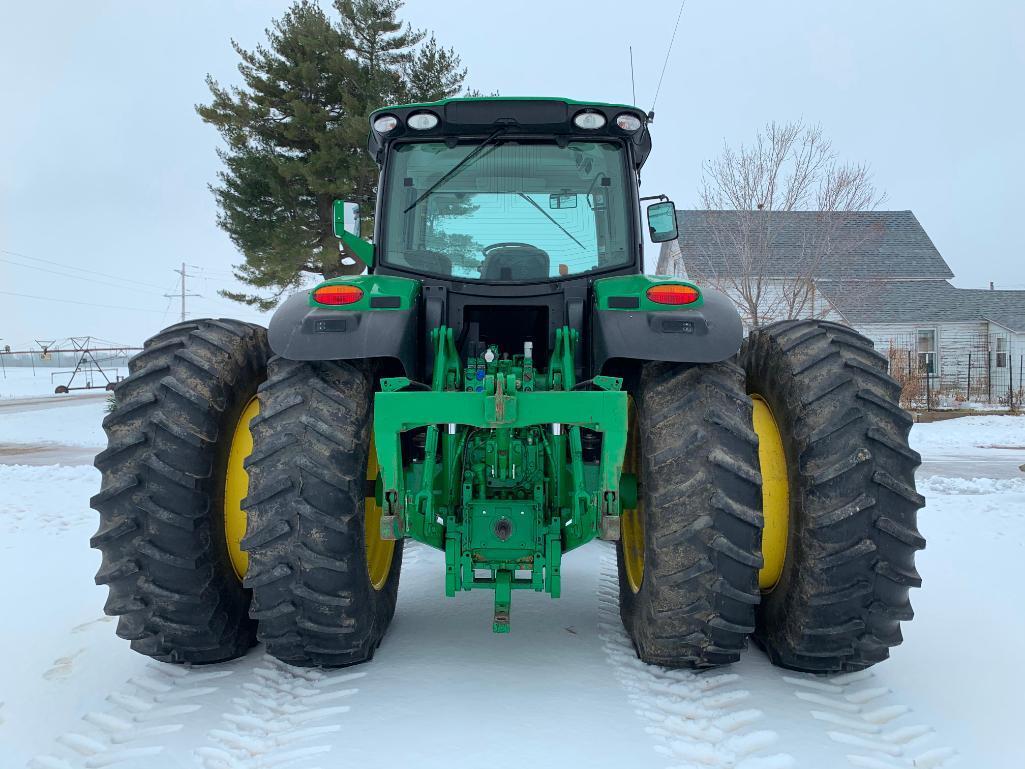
(296,133)
(432,73)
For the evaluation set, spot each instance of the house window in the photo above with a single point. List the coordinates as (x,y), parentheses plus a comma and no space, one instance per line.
(1001,351)
(926,349)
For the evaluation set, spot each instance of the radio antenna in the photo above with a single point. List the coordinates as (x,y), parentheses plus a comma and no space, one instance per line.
(666,62)
(633,84)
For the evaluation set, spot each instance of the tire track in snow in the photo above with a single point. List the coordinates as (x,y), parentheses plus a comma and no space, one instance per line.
(132,731)
(860,713)
(412,553)
(698,720)
(279,718)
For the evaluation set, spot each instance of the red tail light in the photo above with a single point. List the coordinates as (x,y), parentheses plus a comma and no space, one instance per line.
(673,293)
(337,294)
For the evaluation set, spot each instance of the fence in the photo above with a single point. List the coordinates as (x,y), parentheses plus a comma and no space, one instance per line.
(982,371)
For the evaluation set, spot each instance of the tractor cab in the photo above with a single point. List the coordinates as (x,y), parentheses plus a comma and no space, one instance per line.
(506,220)
(509,191)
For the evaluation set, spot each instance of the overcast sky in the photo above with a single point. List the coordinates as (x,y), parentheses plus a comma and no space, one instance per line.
(104,165)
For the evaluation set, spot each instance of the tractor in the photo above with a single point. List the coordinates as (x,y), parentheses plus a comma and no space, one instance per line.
(503,382)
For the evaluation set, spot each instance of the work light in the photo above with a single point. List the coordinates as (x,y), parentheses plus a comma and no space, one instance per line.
(628,122)
(422,121)
(386,123)
(589,121)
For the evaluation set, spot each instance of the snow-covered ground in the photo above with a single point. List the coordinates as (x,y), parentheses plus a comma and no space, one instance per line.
(563,689)
(73,424)
(969,435)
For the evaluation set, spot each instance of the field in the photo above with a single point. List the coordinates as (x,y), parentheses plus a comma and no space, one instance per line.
(564,689)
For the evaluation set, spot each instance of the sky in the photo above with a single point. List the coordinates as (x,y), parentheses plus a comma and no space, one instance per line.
(104,165)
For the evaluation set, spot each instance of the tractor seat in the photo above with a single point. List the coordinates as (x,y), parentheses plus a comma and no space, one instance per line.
(429,261)
(515,261)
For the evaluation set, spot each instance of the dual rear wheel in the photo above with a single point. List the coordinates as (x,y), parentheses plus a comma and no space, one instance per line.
(207,431)
(777,499)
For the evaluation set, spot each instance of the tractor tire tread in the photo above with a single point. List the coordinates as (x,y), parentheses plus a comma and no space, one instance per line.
(307,572)
(175,595)
(701,483)
(854,534)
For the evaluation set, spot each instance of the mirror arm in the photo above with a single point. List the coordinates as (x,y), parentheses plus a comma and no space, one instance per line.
(360,248)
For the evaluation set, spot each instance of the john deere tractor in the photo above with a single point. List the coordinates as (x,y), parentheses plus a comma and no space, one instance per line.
(503,383)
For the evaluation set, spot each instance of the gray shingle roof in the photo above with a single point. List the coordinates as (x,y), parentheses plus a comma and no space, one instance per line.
(877,245)
(925,301)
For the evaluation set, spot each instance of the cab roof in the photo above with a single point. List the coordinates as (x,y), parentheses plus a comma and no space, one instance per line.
(540,115)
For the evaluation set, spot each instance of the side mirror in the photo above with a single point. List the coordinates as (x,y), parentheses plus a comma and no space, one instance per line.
(347,228)
(662,222)
(347,218)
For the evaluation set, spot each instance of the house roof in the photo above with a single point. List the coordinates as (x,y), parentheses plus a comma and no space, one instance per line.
(925,301)
(873,245)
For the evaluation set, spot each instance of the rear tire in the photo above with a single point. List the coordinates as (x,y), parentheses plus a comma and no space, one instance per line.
(850,553)
(699,494)
(162,535)
(308,570)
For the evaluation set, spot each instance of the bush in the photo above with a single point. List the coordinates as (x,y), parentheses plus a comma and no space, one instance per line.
(912,391)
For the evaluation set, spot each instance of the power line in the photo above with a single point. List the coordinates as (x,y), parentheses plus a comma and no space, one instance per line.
(666,62)
(84,304)
(72,277)
(183,293)
(75,267)
(163,315)
(213,273)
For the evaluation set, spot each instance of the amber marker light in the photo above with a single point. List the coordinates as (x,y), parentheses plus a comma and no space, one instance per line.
(673,293)
(336,295)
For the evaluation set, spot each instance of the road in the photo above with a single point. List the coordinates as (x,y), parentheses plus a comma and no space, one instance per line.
(37,453)
(1008,464)
(50,401)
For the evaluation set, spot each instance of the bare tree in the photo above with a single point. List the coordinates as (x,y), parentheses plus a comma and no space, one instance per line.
(761,254)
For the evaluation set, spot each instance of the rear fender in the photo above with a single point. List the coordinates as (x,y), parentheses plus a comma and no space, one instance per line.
(383,324)
(625,324)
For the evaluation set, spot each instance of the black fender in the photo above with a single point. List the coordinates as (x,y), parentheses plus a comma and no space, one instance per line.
(710,333)
(300,332)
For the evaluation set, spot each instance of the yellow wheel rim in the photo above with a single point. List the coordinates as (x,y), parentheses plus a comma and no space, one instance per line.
(379,551)
(236,486)
(775,494)
(632,521)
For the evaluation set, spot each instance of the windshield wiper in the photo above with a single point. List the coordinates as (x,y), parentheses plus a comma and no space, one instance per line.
(457,167)
(549,217)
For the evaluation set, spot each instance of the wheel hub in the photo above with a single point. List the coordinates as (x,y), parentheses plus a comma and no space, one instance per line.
(379,551)
(775,494)
(633,518)
(236,486)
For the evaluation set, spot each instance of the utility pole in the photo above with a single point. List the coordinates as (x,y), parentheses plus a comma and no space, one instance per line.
(182,293)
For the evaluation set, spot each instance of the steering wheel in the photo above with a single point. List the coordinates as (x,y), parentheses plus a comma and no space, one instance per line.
(509,244)
(529,260)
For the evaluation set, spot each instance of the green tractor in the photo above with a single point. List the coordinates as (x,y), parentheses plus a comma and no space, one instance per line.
(505,384)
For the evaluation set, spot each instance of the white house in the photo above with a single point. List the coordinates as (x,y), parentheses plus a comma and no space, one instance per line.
(877,271)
